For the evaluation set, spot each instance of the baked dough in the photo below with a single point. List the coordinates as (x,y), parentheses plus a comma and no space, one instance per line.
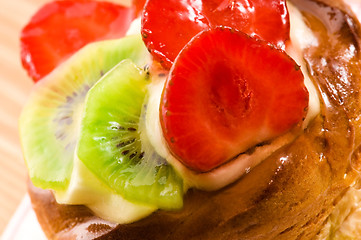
(290,194)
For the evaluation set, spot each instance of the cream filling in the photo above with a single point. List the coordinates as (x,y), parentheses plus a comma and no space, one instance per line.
(86,189)
(216,178)
(301,37)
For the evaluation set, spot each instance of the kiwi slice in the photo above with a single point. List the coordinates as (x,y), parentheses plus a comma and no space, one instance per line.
(114,144)
(49,123)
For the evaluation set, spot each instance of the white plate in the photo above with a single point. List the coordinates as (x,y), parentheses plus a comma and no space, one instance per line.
(24,224)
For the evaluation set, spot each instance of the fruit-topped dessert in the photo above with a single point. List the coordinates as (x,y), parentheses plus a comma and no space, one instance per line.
(202,119)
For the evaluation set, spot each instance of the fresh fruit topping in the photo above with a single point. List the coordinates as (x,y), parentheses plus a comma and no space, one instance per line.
(50,121)
(60,28)
(113,143)
(86,189)
(139,5)
(169,25)
(226,93)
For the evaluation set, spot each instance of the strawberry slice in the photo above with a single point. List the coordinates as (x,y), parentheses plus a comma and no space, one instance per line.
(226,93)
(167,26)
(139,5)
(60,28)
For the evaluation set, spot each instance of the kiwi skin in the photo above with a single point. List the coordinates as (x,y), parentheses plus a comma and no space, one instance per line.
(49,122)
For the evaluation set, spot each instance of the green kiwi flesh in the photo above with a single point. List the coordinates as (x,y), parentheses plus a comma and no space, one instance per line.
(49,123)
(113,143)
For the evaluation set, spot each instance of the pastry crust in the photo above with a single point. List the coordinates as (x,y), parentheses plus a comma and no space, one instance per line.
(287,196)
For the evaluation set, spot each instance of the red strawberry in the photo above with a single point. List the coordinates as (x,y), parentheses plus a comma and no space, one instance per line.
(139,5)
(169,25)
(60,28)
(226,93)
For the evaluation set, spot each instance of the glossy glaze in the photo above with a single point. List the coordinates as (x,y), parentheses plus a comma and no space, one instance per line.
(291,193)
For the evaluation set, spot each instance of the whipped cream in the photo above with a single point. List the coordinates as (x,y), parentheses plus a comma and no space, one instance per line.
(104,202)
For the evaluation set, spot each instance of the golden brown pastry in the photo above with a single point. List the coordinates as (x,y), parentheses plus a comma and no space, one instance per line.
(291,194)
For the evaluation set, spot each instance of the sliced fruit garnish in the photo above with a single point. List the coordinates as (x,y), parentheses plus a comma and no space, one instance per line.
(86,189)
(113,143)
(60,28)
(139,5)
(49,123)
(169,25)
(226,93)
